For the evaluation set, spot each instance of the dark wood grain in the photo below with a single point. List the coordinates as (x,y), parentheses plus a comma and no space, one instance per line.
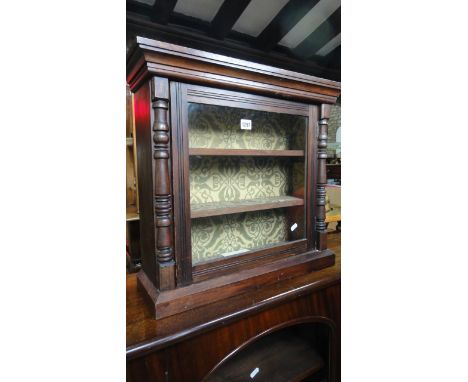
(224,208)
(254,258)
(278,357)
(151,57)
(144,141)
(194,56)
(171,302)
(182,223)
(220,306)
(246,152)
(180,171)
(144,333)
(162,183)
(222,97)
(234,300)
(320,224)
(311,171)
(158,348)
(181,94)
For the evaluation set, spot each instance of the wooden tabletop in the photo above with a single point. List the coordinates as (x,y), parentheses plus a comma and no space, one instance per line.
(144,333)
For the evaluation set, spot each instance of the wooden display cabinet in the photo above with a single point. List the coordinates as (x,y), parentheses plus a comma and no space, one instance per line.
(231,176)
(219,199)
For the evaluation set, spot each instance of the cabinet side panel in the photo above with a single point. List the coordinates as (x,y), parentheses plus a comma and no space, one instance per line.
(311,175)
(142,103)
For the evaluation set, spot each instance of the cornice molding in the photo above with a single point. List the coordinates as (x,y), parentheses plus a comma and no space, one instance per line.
(151,57)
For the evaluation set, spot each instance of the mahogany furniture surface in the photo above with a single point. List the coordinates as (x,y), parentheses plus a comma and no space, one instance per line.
(282,356)
(166,79)
(186,347)
(190,312)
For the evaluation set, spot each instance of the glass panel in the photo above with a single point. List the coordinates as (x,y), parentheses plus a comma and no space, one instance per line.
(246,184)
(219,127)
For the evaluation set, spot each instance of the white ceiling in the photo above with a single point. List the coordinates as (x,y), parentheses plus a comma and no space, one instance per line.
(257,16)
(310,22)
(201,9)
(330,45)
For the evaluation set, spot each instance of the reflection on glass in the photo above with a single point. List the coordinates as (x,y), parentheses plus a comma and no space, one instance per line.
(219,127)
(234,234)
(241,203)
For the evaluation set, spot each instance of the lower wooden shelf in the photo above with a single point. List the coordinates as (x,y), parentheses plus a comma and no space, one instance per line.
(249,152)
(280,356)
(201,210)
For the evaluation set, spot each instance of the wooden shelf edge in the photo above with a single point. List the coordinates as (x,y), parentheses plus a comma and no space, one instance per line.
(210,209)
(171,302)
(245,152)
(280,294)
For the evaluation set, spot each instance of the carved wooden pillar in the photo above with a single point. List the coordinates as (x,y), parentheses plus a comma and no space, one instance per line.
(320,225)
(162,184)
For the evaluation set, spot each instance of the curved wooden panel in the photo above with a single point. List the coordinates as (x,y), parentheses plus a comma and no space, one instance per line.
(273,330)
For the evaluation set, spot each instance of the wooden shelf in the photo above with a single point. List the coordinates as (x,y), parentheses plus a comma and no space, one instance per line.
(201,210)
(274,358)
(243,152)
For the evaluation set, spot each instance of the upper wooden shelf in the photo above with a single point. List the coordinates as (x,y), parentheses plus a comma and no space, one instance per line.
(202,210)
(244,152)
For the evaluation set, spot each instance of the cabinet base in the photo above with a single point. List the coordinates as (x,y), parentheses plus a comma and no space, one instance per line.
(171,302)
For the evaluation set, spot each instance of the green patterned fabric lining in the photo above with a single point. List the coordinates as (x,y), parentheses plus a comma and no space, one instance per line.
(219,127)
(214,179)
(220,179)
(213,236)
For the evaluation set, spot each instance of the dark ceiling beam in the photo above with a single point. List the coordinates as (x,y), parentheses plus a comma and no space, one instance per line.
(283,22)
(162,10)
(227,16)
(319,37)
(137,7)
(333,59)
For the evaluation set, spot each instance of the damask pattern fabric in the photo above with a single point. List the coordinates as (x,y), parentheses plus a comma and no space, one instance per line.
(227,179)
(219,127)
(214,236)
(216,179)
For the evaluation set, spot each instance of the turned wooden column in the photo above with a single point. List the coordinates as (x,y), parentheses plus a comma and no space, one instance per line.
(162,184)
(320,225)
